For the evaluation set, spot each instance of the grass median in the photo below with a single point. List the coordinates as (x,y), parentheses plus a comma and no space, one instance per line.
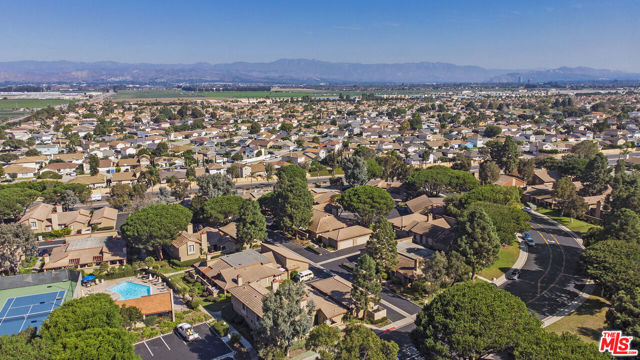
(578,226)
(506,258)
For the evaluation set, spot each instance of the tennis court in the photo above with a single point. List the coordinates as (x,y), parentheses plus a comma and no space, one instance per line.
(20,312)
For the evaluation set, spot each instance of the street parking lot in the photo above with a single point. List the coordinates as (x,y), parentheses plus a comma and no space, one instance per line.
(172,346)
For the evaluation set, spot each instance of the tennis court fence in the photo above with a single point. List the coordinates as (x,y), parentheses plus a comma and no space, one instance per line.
(42,278)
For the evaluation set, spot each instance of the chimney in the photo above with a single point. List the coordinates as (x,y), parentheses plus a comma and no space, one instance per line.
(190,228)
(239,280)
(58,208)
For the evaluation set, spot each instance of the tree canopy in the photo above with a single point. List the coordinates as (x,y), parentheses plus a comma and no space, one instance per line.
(508,220)
(154,226)
(16,243)
(366,283)
(472,320)
(359,342)
(613,264)
(285,317)
(382,246)
(367,202)
(477,240)
(355,170)
(220,210)
(438,178)
(214,185)
(251,225)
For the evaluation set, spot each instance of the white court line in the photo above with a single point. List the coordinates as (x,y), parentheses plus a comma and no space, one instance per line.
(12,301)
(165,344)
(147,346)
(25,317)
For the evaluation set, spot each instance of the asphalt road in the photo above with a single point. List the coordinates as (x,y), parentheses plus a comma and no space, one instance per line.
(548,281)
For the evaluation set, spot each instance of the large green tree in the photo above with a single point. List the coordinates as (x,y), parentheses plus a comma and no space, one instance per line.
(567,198)
(16,243)
(543,345)
(505,154)
(613,264)
(251,224)
(214,185)
(383,247)
(437,179)
(285,318)
(472,320)
(587,149)
(155,226)
(14,201)
(359,342)
(369,203)
(219,210)
(526,168)
(507,219)
(292,202)
(94,164)
(355,170)
(477,240)
(624,314)
(365,283)
(596,175)
(489,172)
(95,343)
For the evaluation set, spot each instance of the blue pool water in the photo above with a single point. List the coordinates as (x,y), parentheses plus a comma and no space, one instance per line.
(129,290)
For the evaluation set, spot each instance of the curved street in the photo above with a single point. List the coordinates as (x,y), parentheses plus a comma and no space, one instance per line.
(549,281)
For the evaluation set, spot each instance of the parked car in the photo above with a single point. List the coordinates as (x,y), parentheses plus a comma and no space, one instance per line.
(526,209)
(513,274)
(530,242)
(303,276)
(186,332)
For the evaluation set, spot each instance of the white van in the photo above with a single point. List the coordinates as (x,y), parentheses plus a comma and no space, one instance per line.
(303,276)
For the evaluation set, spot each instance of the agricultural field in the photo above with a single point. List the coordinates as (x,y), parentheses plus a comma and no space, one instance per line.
(155,94)
(30,103)
(6,114)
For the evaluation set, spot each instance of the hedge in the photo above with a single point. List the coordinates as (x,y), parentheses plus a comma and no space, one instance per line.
(187,263)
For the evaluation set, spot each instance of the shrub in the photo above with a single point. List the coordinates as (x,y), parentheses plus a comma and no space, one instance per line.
(235,339)
(221,327)
(195,303)
(151,320)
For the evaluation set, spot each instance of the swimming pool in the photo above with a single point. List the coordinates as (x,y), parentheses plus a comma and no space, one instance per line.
(129,290)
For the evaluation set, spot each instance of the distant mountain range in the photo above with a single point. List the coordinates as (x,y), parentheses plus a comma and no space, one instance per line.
(289,71)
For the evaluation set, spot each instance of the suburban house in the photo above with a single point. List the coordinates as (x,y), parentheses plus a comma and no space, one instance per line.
(322,222)
(246,301)
(286,258)
(88,251)
(189,245)
(338,291)
(410,258)
(426,229)
(223,239)
(46,217)
(104,218)
(346,237)
(244,267)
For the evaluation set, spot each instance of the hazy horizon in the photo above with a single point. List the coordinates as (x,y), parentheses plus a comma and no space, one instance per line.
(497,35)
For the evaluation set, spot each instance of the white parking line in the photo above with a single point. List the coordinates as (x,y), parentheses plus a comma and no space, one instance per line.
(165,343)
(147,346)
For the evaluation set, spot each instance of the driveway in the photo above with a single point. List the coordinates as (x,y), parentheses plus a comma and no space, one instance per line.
(171,346)
(549,280)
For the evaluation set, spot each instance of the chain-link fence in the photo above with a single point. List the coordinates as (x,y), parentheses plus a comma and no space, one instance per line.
(42,278)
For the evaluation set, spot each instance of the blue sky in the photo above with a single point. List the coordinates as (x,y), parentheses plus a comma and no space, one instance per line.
(496,34)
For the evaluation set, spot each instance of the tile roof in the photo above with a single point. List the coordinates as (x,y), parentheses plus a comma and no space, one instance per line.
(151,304)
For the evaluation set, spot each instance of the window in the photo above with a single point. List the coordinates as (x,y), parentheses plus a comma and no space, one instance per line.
(191,249)
(34,225)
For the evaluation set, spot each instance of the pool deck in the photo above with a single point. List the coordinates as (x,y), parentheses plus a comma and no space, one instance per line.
(157,286)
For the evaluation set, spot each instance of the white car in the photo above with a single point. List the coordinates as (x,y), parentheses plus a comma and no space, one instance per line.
(186,332)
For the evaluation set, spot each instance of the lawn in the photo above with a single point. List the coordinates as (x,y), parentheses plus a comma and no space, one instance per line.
(30,103)
(153,94)
(587,321)
(6,114)
(506,258)
(578,226)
